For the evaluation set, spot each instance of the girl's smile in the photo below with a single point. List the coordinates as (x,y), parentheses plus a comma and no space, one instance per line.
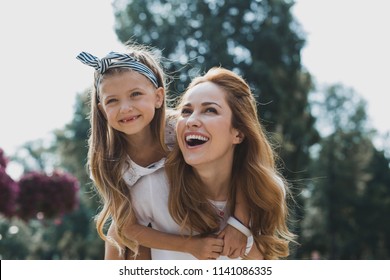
(129,119)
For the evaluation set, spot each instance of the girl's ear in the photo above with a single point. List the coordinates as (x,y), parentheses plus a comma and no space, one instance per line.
(100,106)
(238,136)
(160,94)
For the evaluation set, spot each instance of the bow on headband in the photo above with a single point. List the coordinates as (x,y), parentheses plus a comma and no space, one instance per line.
(117,60)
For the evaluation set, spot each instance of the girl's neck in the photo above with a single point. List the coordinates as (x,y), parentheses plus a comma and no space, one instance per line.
(143,149)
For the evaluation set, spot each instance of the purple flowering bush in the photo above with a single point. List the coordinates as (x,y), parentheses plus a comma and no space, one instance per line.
(3,159)
(49,195)
(9,191)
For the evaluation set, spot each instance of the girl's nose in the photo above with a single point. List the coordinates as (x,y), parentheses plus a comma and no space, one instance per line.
(126,106)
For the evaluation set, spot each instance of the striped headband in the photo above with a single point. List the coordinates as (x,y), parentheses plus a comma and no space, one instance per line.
(116,60)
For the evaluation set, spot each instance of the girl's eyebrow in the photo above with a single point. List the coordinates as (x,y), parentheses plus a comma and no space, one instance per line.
(104,97)
(109,95)
(204,104)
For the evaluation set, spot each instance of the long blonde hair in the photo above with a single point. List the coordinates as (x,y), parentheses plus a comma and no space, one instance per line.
(253,172)
(107,155)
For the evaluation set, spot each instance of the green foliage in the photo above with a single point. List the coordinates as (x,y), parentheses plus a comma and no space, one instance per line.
(351,185)
(70,237)
(373,209)
(72,141)
(15,239)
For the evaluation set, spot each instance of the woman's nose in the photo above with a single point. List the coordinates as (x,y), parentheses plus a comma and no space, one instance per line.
(193,120)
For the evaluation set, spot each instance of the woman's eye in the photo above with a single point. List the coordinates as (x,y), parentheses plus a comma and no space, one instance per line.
(211,110)
(185,111)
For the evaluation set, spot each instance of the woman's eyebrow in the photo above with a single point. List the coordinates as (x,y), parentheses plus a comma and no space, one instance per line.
(207,103)
(210,103)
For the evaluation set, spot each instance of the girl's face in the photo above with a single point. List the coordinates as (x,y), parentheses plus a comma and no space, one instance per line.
(128,101)
(204,131)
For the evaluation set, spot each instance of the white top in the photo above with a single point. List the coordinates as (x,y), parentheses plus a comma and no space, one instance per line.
(150,203)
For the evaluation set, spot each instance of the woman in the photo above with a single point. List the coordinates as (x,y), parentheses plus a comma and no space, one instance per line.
(222,148)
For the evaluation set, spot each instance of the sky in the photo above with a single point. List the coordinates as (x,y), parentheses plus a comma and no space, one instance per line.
(347,43)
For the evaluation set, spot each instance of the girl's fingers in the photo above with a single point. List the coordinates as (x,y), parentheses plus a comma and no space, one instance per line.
(219,242)
(217,248)
(214,256)
(226,251)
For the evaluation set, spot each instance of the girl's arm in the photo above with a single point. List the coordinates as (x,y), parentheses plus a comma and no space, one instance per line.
(235,240)
(200,247)
(112,253)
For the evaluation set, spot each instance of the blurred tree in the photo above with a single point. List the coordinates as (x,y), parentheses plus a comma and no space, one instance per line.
(342,198)
(37,155)
(374,207)
(258,39)
(71,142)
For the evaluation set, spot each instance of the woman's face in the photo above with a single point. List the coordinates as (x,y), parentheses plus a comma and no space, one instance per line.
(204,131)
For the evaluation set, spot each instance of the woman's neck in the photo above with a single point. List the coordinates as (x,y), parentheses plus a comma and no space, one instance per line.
(217,182)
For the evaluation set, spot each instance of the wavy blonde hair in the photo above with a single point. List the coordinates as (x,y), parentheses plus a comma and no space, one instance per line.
(253,172)
(107,156)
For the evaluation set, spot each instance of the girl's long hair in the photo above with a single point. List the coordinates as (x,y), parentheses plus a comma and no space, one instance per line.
(253,172)
(107,155)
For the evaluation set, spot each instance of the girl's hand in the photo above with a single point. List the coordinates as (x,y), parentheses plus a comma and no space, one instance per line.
(205,248)
(234,242)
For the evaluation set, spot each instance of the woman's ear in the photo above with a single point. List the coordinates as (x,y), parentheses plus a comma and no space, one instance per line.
(160,94)
(238,137)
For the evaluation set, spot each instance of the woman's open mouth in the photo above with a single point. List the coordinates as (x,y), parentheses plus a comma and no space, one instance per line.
(194,140)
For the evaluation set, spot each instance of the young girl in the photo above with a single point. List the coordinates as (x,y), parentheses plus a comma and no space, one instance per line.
(127,143)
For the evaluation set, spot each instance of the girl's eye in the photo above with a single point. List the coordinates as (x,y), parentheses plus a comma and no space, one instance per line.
(112,100)
(135,94)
